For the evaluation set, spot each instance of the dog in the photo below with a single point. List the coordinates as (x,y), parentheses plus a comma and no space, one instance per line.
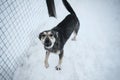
(55,39)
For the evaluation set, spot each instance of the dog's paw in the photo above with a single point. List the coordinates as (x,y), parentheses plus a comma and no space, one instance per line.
(58,67)
(46,65)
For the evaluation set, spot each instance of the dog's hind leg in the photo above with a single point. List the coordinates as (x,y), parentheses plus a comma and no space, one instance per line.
(58,67)
(46,59)
(74,37)
(75,32)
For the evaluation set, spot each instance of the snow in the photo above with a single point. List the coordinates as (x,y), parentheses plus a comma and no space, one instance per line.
(94,56)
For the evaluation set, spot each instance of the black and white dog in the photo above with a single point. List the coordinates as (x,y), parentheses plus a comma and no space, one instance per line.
(55,39)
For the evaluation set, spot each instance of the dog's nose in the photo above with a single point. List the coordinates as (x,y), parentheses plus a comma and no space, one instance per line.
(47,42)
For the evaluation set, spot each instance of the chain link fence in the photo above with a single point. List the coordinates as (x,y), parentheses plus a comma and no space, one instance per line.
(18,19)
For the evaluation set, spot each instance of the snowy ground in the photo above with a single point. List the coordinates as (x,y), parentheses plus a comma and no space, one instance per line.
(94,56)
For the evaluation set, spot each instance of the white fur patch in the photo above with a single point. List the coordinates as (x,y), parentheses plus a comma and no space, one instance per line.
(43,39)
(49,33)
(58,52)
(45,33)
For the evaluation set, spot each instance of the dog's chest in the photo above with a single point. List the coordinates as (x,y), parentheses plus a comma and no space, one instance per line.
(55,51)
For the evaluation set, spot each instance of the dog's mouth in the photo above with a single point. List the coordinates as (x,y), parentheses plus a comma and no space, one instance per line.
(47,44)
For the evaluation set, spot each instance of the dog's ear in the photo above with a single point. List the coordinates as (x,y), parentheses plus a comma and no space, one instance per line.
(56,34)
(40,36)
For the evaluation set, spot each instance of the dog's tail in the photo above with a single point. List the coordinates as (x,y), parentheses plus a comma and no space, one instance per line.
(68,7)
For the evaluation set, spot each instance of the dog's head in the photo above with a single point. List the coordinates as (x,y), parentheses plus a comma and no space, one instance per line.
(48,38)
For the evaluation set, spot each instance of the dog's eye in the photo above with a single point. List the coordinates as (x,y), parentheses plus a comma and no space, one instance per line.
(51,35)
(43,35)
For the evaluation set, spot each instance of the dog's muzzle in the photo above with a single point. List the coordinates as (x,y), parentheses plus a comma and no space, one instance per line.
(47,42)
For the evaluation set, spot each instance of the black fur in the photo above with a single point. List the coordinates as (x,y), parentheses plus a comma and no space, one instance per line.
(65,28)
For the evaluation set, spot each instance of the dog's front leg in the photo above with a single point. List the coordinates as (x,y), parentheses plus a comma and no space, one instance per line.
(58,67)
(46,59)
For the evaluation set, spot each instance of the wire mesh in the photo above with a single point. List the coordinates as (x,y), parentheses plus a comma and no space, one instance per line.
(18,18)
